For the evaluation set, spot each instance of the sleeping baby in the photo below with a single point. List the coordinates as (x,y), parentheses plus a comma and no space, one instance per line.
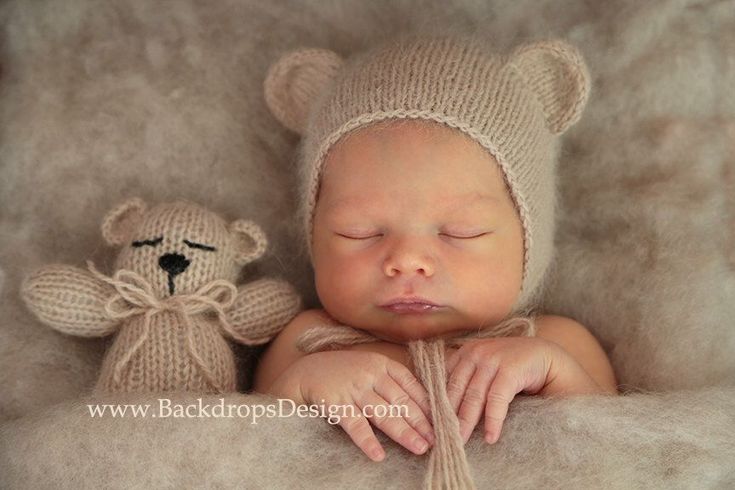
(429,190)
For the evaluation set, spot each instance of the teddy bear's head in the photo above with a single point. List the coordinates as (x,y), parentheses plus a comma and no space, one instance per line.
(179,246)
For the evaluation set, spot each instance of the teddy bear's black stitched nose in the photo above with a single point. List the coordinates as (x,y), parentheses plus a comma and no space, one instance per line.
(173,263)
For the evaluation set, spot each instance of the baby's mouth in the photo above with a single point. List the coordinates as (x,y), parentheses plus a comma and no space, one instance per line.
(411,308)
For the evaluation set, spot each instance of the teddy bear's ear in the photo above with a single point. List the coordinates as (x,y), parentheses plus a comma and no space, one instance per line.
(557,74)
(295,80)
(249,241)
(121,222)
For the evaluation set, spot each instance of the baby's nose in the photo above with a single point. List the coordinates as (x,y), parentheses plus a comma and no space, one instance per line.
(408,263)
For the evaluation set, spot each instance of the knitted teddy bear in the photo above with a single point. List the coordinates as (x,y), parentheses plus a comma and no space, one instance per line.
(171,300)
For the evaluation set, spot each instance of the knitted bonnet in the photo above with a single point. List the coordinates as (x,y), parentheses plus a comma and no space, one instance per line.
(514,106)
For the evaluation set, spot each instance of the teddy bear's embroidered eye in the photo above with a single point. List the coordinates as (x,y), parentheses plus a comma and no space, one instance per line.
(152,243)
(208,248)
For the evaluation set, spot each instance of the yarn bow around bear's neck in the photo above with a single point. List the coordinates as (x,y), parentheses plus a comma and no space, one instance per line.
(448,467)
(134,295)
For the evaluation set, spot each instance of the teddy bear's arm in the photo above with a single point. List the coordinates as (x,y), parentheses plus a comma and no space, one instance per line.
(70,300)
(261,310)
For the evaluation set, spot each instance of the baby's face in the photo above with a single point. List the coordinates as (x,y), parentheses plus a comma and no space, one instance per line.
(415,212)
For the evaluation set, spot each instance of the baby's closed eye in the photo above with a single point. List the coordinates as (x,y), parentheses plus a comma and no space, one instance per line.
(454,233)
(465,233)
(359,234)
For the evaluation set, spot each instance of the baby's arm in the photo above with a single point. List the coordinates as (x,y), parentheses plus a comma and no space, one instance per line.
(282,352)
(357,380)
(586,361)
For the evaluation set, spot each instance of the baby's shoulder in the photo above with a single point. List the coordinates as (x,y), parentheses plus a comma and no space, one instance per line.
(557,323)
(568,333)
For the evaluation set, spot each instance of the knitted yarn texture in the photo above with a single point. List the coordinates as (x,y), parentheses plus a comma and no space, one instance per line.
(171,300)
(448,467)
(135,297)
(514,106)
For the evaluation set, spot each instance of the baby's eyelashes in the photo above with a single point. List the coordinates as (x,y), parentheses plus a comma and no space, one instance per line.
(360,236)
(464,235)
(459,235)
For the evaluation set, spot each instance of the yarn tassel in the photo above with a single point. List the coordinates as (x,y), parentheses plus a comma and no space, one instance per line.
(448,467)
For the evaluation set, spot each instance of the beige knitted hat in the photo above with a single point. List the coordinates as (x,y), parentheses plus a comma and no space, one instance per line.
(515,106)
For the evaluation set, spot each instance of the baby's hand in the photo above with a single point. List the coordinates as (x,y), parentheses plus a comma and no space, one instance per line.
(359,379)
(488,373)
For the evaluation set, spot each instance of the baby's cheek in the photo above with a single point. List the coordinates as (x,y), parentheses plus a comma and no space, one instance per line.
(490,289)
(338,283)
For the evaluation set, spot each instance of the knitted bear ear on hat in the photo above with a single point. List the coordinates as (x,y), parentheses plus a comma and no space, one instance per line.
(295,80)
(121,222)
(249,241)
(558,76)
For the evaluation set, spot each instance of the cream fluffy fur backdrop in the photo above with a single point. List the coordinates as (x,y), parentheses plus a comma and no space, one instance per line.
(100,101)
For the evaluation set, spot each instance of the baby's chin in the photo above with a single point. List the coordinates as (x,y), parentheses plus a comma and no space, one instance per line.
(402,327)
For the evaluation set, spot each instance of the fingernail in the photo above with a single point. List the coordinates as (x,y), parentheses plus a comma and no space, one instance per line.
(421,446)
(428,434)
(465,432)
(378,455)
(490,437)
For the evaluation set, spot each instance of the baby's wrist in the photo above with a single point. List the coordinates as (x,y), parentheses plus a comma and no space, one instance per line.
(567,377)
(287,385)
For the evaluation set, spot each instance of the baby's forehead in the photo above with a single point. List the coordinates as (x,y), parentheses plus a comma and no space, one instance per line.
(377,202)
(396,160)
(415,144)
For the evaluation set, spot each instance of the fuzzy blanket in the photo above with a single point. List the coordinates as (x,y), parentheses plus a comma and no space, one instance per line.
(100,101)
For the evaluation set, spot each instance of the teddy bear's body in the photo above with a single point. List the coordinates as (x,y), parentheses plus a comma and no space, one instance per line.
(171,301)
(164,361)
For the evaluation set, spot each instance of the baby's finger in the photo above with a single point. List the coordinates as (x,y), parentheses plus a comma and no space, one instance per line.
(473,401)
(394,427)
(391,391)
(451,361)
(503,389)
(458,381)
(412,386)
(359,430)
